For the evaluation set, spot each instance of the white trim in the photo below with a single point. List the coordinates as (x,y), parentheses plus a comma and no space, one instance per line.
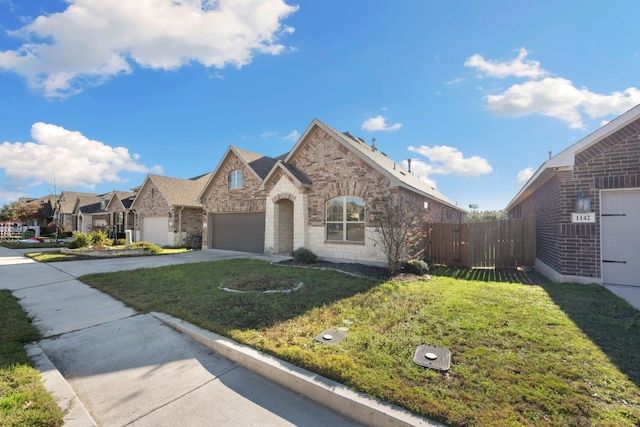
(553,275)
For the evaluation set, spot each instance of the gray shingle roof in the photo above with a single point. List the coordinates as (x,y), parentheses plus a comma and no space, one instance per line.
(181,192)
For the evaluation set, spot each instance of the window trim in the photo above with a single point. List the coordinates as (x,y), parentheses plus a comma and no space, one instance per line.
(344,222)
(235,179)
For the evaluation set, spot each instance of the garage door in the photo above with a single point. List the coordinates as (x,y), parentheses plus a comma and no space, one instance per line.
(155,229)
(238,232)
(619,219)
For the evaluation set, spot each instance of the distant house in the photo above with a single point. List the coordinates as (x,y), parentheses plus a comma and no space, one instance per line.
(586,201)
(67,209)
(120,215)
(46,212)
(92,212)
(316,196)
(167,211)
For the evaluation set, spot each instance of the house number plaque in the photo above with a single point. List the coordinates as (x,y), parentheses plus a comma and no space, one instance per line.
(585,217)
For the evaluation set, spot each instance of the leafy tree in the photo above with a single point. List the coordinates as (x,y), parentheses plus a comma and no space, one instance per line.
(25,211)
(483,216)
(7,212)
(399,229)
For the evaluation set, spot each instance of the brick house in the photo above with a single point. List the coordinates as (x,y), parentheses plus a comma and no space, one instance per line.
(586,201)
(316,196)
(67,208)
(121,216)
(167,211)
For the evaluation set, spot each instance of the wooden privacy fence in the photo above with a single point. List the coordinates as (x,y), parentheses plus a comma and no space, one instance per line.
(497,244)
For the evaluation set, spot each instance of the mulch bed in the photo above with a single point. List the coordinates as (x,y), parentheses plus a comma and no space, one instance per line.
(512,275)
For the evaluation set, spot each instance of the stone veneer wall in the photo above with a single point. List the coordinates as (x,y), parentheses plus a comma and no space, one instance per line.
(149,203)
(219,198)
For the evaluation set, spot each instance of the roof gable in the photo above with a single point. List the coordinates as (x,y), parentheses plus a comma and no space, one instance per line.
(176,191)
(566,158)
(258,164)
(397,175)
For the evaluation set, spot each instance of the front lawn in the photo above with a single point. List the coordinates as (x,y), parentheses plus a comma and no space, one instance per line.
(24,400)
(552,354)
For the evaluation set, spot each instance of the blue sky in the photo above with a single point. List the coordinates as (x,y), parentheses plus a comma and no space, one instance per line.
(95,94)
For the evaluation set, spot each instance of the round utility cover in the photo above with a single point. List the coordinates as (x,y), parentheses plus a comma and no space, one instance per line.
(431,356)
(327,337)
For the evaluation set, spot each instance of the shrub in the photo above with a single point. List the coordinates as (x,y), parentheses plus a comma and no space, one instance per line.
(304,256)
(80,240)
(415,266)
(120,242)
(151,247)
(99,237)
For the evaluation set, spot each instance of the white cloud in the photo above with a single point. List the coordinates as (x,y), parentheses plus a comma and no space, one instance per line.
(92,41)
(66,157)
(445,160)
(524,175)
(555,97)
(379,123)
(292,136)
(421,170)
(518,67)
(268,134)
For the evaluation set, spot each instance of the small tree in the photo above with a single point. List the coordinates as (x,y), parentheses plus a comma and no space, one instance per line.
(399,229)
(25,211)
(7,212)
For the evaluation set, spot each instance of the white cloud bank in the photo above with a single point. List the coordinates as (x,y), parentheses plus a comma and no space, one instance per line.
(449,161)
(443,160)
(524,175)
(544,94)
(67,158)
(379,123)
(94,40)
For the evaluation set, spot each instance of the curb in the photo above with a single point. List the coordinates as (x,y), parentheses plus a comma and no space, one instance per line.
(75,414)
(331,394)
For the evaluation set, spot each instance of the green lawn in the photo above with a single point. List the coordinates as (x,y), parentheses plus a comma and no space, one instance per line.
(552,354)
(24,400)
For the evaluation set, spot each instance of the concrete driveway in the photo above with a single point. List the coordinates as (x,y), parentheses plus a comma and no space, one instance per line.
(108,365)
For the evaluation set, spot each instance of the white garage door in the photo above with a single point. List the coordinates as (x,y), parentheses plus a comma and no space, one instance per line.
(619,219)
(155,229)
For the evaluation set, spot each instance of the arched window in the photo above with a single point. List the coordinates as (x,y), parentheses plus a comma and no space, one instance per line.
(235,179)
(345,219)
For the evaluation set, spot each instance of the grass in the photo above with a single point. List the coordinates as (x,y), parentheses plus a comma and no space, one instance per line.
(24,400)
(552,354)
(46,244)
(55,256)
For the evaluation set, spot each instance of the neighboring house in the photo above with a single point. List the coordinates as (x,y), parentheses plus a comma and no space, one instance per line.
(92,213)
(167,211)
(46,213)
(121,217)
(586,201)
(66,211)
(317,196)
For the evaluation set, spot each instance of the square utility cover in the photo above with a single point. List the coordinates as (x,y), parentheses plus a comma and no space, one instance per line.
(330,336)
(432,357)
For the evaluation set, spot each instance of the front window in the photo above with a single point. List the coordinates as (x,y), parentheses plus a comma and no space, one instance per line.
(345,219)
(235,179)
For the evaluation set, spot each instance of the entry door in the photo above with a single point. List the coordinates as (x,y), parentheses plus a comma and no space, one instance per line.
(620,237)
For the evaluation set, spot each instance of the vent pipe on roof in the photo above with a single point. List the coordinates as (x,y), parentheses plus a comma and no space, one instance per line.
(373,144)
(409,162)
(550,154)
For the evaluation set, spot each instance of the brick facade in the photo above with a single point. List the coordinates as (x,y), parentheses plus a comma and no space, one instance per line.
(573,250)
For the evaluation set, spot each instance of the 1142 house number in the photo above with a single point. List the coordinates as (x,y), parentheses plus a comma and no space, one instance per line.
(583,217)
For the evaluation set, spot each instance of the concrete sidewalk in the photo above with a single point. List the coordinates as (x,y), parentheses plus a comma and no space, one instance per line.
(110,366)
